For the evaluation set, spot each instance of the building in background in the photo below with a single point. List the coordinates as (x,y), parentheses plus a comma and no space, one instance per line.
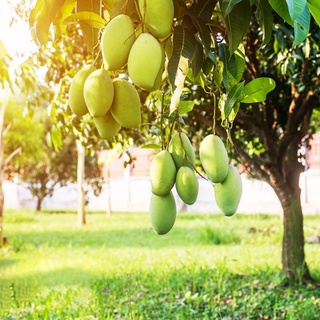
(127,188)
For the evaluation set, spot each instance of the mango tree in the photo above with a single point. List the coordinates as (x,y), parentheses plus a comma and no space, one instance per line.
(203,66)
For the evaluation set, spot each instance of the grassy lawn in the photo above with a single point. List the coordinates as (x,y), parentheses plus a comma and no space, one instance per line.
(207,267)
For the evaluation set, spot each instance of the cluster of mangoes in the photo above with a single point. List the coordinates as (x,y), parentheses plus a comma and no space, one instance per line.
(136,52)
(226,178)
(176,166)
(112,103)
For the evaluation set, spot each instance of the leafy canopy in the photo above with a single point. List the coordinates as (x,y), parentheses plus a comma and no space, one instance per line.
(204,49)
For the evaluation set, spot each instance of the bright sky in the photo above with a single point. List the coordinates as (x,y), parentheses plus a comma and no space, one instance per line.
(16,38)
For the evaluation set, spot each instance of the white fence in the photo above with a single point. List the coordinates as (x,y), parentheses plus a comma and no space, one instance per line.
(132,194)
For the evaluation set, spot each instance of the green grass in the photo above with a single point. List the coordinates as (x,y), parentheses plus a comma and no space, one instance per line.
(207,267)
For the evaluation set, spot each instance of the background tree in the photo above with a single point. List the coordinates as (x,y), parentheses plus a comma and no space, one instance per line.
(207,87)
(267,137)
(59,61)
(10,80)
(40,167)
(62,59)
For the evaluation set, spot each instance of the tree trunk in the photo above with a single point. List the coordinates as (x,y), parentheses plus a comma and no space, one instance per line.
(80,182)
(286,186)
(293,256)
(39,203)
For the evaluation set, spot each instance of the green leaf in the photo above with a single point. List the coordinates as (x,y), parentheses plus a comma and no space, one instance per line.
(201,13)
(301,26)
(203,9)
(237,23)
(227,5)
(56,137)
(34,12)
(90,33)
(41,18)
(264,16)
(152,146)
(88,18)
(187,45)
(193,50)
(63,13)
(128,7)
(185,107)
(203,32)
(181,74)
(296,7)
(233,65)
(233,97)
(281,8)
(257,90)
(314,7)
(178,41)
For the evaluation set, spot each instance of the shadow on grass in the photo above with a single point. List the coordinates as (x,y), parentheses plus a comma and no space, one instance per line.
(7,262)
(207,294)
(42,288)
(120,238)
(66,276)
(183,292)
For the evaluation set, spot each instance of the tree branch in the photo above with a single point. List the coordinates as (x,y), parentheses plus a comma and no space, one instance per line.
(11,155)
(299,108)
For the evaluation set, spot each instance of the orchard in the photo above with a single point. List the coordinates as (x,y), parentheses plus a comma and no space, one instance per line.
(173,70)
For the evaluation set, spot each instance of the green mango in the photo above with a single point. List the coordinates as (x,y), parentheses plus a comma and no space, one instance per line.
(98,92)
(116,41)
(76,97)
(125,107)
(162,173)
(182,151)
(145,62)
(158,16)
(187,185)
(214,158)
(228,192)
(106,125)
(162,213)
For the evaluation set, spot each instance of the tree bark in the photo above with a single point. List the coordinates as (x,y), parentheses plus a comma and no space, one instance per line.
(80,182)
(39,203)
(293,257)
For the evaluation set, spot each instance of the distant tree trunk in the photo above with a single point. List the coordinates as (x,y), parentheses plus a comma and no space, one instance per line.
(39,203)
(40,190)
(4,102)
(80,182)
